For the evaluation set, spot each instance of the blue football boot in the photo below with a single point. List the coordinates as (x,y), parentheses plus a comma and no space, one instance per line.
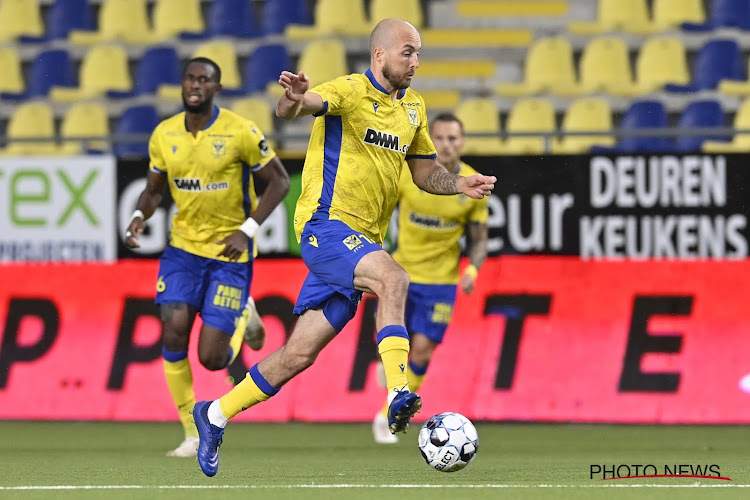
(210,439)
(403,406)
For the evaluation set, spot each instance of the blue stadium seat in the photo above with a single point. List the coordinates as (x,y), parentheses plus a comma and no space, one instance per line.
(158,66)
(717,60)
(135,120)
(66,15)
(724,13)
(232,18)
(277,14)
(265,65)
(640,115)
(49,68)
(703,113)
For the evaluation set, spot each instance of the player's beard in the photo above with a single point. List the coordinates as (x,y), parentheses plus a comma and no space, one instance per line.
(200,108)
(397,84)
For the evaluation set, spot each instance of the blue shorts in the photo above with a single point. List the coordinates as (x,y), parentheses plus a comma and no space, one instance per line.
(217,289)
(331,251)
(429,309)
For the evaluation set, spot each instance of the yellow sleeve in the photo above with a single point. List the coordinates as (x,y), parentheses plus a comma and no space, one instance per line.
(156,159)
(256,151)
(479,212)
(422,146)
(339,95)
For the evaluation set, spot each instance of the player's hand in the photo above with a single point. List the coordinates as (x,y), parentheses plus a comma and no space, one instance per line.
(295,86)
(135,228)
(234,245)
(477,186)
(467,283)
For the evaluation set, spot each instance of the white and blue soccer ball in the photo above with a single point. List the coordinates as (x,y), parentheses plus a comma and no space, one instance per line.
(448,442)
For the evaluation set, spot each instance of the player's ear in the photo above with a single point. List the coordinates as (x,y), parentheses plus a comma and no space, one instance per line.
(219,87)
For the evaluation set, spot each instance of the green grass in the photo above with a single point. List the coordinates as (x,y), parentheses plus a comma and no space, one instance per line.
(275,460)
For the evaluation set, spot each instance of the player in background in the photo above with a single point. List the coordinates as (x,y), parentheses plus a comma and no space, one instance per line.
(367,125)
(208,156)
(428,249)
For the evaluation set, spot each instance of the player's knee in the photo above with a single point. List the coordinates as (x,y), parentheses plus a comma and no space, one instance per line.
(213,360)
(397,282)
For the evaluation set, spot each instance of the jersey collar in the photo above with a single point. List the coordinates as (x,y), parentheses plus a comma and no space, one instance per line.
(375,84)
(214,116)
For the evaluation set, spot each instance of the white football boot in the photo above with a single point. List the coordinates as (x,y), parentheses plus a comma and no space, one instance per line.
(188,448)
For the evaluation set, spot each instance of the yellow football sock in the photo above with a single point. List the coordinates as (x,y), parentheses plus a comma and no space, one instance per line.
(394,351)
(252,390)
(180,382)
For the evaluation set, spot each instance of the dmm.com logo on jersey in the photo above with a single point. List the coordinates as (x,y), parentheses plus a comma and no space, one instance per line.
(384,140)
(191,184)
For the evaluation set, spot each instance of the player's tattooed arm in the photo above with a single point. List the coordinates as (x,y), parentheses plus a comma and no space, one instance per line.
(440,181)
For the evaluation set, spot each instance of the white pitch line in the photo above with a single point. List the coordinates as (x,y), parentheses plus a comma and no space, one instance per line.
(354,486)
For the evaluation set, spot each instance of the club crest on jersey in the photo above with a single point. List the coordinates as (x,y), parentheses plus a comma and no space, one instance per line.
(219,147)
(352,242)
(413,117)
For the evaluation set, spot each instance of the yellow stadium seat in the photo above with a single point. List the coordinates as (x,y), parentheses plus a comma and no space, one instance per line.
(333,17)
(605,64)
(20,18)
(84,119)
(457,68)
(31,120)
(668,15)
(732,87)
(740,143)
(259,111)
(529,115)
(480,38)
(11,76)
(661,60)
(589,114)
(125,20)
(408,10)
(104,68)
(613,15)
(172,17)
(548,64)
(512,8)
(224,54)
(480,116)
(322,61)
(440,99)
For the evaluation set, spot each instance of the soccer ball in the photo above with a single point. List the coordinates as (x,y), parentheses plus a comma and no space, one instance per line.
(448,442)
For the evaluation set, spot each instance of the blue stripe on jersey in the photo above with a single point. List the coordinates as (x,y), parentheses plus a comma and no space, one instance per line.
(411,157)
(322,111)
(331,156)
(157,170)
(247,204)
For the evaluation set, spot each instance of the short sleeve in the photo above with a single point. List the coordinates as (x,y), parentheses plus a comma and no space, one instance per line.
(479,212)
(256,151)
(339,95)
(156,159)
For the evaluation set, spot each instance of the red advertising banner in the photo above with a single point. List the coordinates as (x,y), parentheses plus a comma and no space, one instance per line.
(541,338)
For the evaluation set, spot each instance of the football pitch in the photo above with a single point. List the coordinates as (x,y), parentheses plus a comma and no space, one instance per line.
(50,460)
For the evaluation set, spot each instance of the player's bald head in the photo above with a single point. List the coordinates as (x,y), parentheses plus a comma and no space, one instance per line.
(390,31)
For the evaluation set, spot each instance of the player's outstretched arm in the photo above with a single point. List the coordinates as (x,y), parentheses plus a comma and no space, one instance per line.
(297,101)
(432,177)
(148,202)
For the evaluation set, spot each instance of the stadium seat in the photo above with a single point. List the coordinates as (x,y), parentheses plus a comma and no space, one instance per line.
(669,15)
(159,71)
(84,119)
(11,76)
(446,99)
(333,17)
(224,54)
(278,14)
(49,68)
(512,8)
(661,60)
(457,69)
(717,60)
(529,115)
(408,10)
(740,143)
(699,114)
(234,18)
(480,116)
(548,64)
(588,114)
(734,87)
(65,16)
(264,66)
(173,18)
(135,120)
(724,14)
(104,68)
(259,111)
(604,66)
(641,115)
(20,18)
(613,15)
(31,120)
(124,20)
(323,60)
(479,38)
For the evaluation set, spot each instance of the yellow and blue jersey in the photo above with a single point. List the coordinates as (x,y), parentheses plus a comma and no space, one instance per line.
(210,177)
(429,227)
(358,147)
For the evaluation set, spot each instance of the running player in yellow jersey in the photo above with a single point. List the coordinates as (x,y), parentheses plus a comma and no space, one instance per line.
(367,126)
(427,248)
(208,156)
